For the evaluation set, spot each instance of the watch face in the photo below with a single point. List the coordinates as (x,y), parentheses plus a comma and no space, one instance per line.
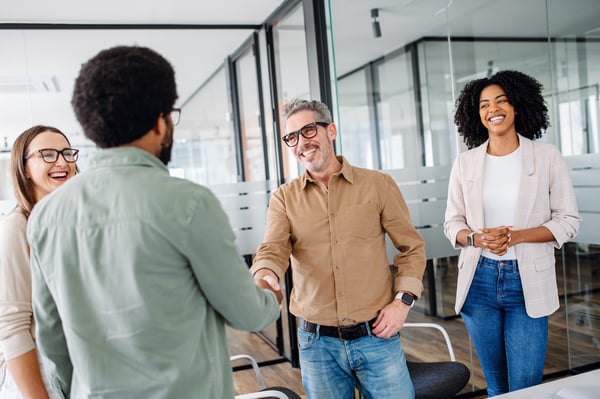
(407,299)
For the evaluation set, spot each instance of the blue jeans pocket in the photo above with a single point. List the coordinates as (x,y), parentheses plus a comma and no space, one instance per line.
(305,339)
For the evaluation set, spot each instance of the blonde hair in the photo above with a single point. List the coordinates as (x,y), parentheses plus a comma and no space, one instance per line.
(22,186)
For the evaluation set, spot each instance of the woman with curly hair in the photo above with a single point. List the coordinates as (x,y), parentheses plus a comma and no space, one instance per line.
(510,204)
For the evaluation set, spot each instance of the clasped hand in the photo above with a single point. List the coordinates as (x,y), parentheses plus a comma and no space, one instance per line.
(494,239)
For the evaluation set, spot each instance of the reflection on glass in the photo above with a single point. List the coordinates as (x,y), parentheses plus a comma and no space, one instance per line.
(437,102)
(204,147)
(252,142)
(356,127)
(399,136)
(428,51)
(291,61)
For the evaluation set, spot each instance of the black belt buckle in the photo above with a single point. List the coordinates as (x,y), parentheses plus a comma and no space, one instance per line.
(353,332)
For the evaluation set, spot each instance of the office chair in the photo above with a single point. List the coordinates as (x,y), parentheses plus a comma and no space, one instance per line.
(265,392)
(268,394)
(437,380)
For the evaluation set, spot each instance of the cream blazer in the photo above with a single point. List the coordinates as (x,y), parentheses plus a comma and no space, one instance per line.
(546,198)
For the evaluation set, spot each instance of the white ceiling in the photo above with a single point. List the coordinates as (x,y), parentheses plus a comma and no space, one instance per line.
(138,11)
(41,54)
(196,54)
(404,21)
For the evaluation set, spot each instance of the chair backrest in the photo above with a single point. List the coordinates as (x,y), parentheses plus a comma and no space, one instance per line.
(252,361)
(437,380)
(441,330)
(269,393)
(265,392)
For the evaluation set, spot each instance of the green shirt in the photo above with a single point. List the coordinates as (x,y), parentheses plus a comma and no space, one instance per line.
(135,274)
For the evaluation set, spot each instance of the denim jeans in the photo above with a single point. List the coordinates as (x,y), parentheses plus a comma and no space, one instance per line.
(331,368)
(511,346)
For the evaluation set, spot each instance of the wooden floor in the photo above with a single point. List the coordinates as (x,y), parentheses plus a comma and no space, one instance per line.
(574,339)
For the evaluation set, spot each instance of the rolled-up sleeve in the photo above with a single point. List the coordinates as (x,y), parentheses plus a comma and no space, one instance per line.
(221,272)
(410,261)
(565,219)
(16,314)
(455,217)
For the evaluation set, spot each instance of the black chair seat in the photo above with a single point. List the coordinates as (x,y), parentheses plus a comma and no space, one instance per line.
(291,394)
(438,380)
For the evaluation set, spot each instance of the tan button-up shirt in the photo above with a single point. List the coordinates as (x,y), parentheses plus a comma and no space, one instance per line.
(336,240)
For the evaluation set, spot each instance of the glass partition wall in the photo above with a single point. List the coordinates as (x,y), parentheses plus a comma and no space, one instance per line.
(396,95)
(204,148)
(394,101)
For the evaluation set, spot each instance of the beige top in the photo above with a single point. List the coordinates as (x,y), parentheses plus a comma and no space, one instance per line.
(336,240)
(16,315)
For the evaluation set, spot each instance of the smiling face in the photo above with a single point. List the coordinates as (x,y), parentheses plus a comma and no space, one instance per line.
(496,113)
(46,177)
(316,153)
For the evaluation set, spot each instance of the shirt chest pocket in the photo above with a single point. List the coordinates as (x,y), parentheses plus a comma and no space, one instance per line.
(358,221)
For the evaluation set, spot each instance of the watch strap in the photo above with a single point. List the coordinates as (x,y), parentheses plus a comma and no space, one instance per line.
(471,239)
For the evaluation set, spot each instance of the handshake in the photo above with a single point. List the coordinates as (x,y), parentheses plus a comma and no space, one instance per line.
(267,280)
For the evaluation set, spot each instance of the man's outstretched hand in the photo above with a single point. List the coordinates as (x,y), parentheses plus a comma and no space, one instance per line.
(266,280)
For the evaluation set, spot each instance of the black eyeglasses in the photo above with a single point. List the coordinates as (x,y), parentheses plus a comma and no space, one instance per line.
(307,131)
(175,115)
(50,155)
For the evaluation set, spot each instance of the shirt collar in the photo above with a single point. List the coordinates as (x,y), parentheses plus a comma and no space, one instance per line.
(126,156)
(346,172)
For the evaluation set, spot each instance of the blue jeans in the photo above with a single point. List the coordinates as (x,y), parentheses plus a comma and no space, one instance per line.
(331,368)
(511,346)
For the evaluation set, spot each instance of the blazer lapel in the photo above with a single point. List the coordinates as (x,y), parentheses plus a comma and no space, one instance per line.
(474,177)
(528,183)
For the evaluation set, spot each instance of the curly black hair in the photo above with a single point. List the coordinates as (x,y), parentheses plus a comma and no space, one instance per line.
(120,93)
(524,94)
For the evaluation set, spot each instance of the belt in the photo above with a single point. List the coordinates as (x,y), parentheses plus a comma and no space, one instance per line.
(346,333)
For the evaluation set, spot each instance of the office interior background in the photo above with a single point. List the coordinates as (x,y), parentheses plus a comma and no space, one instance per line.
(391,78)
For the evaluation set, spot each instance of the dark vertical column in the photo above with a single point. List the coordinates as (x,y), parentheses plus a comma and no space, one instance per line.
(237,127)
(261,108)
(315,22)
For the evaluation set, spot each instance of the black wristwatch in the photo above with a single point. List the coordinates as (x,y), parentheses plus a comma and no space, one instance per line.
(471,239)
(406,298)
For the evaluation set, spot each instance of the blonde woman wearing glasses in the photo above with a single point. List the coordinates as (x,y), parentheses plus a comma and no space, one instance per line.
(41,160)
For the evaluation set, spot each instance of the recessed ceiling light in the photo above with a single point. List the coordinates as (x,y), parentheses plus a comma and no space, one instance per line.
(28,85)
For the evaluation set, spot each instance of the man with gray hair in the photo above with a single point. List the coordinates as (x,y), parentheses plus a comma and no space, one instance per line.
(332,222)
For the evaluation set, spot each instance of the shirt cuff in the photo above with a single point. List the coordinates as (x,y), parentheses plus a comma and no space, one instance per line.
(17,345)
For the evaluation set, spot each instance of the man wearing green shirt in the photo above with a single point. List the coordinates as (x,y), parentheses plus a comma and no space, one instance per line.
(135,272)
